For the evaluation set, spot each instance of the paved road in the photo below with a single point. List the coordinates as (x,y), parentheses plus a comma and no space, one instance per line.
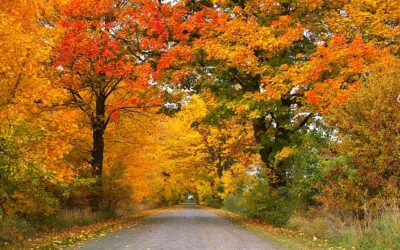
(188,228)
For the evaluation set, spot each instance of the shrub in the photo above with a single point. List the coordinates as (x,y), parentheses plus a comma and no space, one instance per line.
(235,204)
(26,187)
(272,206)
(260,201)
(208,194)
(365,169)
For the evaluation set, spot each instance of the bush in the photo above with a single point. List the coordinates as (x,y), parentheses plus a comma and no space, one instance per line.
(272,206)
(13,230)
(26,187)
(235,204)
(364,166)
(209,194)
(261,202)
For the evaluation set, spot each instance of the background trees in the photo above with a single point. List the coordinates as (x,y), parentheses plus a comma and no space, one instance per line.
(34,141)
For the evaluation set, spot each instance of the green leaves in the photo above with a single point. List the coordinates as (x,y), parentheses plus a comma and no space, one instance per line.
(25,186)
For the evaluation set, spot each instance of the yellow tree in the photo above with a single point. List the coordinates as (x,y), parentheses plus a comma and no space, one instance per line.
(132,149)
(377,21)
(196,152)
(36,140)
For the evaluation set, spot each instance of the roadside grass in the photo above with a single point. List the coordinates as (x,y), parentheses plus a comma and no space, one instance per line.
(282,237)
(384,233)
(327,231)
(70,228)
(376,232)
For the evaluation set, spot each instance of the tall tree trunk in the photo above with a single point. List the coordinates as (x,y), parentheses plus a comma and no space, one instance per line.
(97,151)
(276,175)
(98,129)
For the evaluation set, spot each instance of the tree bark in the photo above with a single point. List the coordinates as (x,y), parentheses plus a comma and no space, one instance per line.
(97,151)
(260,134)
(98,129)
(276,175)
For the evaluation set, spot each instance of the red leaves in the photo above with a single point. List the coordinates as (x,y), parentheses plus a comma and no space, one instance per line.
(115,115)
(175,56)
(335,70)
(314,96)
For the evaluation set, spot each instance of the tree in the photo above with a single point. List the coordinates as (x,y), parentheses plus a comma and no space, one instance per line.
(278,65)
(34,142)
(107,59)
(226,142)
(376,21)
(25,47)
(133,146)
(199,156)
(363,170)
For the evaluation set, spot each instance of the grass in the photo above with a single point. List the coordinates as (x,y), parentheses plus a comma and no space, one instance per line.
(79,217)
(282,237)
(384,233)
(319,230)
(381,232)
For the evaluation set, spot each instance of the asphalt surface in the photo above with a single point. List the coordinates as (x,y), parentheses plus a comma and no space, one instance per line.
(188,228)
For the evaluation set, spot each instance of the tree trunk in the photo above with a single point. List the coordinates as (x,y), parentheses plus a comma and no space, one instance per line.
(260,134)
(97,151)
(219,168)
(98,129)
(276,175)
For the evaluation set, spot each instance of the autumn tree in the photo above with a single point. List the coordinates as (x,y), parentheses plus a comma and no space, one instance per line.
(199,156)
(132,150)
(226,142)
(107,59)
(34,142)
(278,65)
(362,172)
(376,21)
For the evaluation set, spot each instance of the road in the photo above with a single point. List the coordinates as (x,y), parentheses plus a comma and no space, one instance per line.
(190,227)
